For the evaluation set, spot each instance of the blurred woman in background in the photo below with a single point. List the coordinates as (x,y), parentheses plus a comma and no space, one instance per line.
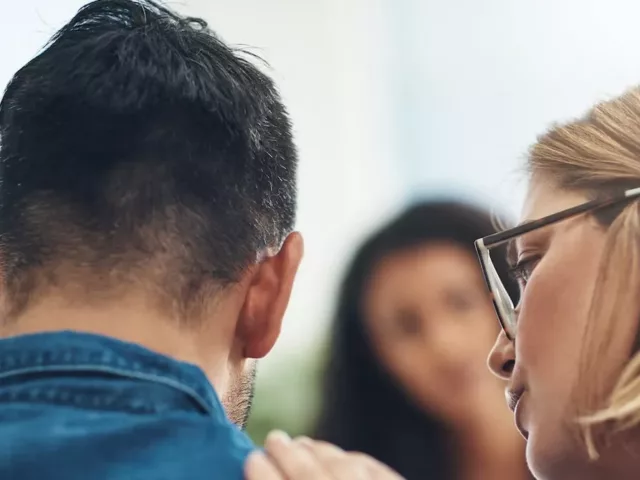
(407,381)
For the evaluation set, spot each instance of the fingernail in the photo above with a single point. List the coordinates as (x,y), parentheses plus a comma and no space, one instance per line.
(256,460)
(256,457)
(278,436)
(304,440)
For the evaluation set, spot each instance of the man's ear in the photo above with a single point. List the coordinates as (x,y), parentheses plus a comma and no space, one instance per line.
(267,298)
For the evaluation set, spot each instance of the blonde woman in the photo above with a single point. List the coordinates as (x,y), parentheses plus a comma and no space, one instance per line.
(569,349)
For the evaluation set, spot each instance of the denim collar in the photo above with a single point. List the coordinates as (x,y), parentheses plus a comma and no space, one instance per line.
(68,351)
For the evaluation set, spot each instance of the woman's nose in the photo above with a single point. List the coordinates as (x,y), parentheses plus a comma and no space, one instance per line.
(502,357)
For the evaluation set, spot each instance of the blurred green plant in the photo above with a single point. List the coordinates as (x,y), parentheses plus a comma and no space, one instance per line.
(288,398)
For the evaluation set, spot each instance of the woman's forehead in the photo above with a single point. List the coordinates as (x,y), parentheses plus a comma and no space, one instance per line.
(545,198)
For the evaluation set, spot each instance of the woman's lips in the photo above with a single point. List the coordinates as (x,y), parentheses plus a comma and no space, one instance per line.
(517,414)
(514,400)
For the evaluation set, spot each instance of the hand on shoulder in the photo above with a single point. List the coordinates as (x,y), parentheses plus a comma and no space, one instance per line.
(306,459)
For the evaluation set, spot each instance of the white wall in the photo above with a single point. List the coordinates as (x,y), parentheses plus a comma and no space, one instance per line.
(476,81)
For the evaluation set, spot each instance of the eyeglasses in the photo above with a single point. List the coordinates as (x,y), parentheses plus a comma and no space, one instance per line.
(502,302)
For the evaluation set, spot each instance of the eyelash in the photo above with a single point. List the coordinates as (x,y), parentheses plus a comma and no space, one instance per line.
(523,270)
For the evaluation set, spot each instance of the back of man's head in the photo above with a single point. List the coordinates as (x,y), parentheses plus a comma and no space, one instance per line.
(140,150)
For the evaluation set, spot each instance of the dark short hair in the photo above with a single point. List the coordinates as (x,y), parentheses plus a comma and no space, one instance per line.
(363,408)
(137,140)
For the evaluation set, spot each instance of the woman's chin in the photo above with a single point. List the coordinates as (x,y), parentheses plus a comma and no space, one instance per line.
(554,455)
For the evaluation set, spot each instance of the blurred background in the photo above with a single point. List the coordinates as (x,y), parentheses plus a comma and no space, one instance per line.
(392,101)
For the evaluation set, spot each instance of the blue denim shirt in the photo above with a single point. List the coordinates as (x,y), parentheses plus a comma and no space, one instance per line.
(80,406)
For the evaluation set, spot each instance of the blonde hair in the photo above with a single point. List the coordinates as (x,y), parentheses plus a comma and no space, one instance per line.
(599,154)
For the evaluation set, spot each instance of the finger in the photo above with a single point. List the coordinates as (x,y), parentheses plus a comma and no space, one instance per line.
(328,448)
(259,467)
(292,459)
(376,470)
(336,461)
(373,468)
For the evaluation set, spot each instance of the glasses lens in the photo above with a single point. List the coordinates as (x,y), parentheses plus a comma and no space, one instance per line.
(503,302)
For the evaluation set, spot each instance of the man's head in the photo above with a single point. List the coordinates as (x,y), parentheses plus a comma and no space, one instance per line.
(145,162)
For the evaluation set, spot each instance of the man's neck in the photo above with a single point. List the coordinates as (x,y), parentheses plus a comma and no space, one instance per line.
(129,320)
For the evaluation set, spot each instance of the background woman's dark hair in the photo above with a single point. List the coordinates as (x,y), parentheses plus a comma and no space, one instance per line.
(363,409)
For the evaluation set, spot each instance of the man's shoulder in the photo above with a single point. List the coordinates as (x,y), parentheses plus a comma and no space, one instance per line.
(172,446)
(208,449)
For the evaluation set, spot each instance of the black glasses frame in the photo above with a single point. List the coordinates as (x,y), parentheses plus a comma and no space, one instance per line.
(501,301)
